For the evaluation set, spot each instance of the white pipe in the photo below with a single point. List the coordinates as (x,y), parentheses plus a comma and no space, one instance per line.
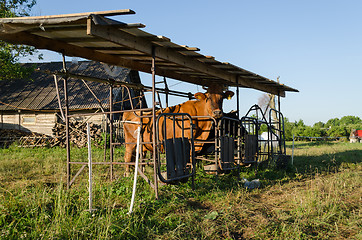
(293,150)
(136,170)
(90,169)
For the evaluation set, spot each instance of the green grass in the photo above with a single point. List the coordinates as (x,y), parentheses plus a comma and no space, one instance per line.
(319,197)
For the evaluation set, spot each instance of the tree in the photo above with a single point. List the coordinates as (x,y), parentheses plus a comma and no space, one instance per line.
(338,131)
(349,120)
(318,125)
(332,122)
(9,53)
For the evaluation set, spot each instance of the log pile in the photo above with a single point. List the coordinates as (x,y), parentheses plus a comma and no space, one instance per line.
(25,139)
(77,134)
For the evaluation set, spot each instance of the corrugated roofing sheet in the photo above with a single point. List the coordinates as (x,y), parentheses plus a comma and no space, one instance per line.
(39,92)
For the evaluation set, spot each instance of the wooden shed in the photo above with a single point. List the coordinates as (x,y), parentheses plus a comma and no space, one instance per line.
(32,105)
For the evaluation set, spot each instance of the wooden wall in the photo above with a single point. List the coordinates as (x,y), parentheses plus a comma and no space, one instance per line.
(38,122)
(30,122)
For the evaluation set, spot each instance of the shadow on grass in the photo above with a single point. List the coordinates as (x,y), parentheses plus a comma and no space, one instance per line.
(306,166)
(327,162)
(312,144)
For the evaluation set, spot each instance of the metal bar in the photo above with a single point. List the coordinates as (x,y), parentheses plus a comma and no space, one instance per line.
(90,197)
(95,96)
(58,96)
(136,170)
(166,90)
(114,163)
(105,139)
(111,131)
(145,177)
(79,172)
(237,99)
(153,70)
(115,83)
(99,113)
(67,123)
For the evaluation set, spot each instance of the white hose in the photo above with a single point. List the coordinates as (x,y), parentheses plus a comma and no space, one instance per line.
(136,170)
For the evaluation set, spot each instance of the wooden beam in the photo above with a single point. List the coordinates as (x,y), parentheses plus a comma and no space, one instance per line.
(79,39)
(101,20)
(72,50)
(56,28)
(86,14)
(142,45)
(171,57)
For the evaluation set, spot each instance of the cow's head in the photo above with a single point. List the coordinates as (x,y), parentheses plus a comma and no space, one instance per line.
(213,99)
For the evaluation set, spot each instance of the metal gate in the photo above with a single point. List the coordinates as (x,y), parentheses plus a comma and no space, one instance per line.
(229,143)
(175,147)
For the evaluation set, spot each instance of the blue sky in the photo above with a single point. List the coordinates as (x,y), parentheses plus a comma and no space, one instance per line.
(314,46)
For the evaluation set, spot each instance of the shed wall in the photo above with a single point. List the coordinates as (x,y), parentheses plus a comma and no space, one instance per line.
(41,122)
(30,122)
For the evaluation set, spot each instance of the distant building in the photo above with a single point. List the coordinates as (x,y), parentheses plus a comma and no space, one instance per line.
(32,104)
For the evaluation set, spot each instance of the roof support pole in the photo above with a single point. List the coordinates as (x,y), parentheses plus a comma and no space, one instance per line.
(237,97)
(67,123)
(279,102)
(153,70)
(111,132)
(239,130)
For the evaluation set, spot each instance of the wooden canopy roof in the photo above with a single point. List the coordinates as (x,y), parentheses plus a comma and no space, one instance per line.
(95,36)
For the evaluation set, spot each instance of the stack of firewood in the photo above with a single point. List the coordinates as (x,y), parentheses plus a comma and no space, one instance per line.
(77,133)
(25,139)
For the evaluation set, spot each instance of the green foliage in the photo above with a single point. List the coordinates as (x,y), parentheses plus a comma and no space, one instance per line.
(319,125)
(15,8)
(332,122)
(9,53)
(338,131)
(350,120)
(334,127)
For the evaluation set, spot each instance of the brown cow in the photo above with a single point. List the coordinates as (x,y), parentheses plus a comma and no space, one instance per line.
(206,104)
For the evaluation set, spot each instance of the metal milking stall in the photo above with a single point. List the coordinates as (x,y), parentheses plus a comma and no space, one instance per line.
(95,36)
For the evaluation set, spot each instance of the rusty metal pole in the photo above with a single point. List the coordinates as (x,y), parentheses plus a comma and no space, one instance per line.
(66,123)
(153,70)
(239,130)
(279,102)
(237,96)
(67,129)
(111,131)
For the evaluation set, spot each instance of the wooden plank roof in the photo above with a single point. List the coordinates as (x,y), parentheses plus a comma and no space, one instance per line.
(97,37)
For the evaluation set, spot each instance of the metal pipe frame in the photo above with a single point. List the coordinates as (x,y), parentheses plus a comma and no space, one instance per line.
(174,116)
(236,127)
(153,70)
(111,132)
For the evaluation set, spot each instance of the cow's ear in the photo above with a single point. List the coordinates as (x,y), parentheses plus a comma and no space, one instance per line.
(200,96)
(228,94)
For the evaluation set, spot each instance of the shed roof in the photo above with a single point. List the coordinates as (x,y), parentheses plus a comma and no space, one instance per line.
(39,92)
(97,37)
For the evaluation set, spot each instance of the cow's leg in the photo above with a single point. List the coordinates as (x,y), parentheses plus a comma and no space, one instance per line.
(129,156)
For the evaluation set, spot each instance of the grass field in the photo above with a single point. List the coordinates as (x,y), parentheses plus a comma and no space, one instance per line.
(319,197)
